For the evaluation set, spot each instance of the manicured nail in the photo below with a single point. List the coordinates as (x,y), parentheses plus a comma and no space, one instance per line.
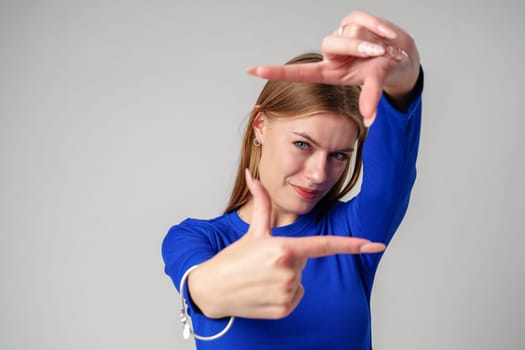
(372,248)
(369,121)
(252,70)
(248,175)
(370,49)
(396,53)
(387,32)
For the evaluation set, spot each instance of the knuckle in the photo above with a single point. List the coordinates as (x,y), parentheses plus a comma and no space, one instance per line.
(287,288)
(289,278)
(411,41)
(283,310)
(354,31)
(326,44)
(289,302)
(287,307)
(283,297)
(352,16)
(281,251)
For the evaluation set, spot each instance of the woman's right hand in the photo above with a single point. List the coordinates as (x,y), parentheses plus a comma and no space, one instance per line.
(367,51)
(259,276)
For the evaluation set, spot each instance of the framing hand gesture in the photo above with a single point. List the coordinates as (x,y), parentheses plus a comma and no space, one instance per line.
(367,51)
(259,276)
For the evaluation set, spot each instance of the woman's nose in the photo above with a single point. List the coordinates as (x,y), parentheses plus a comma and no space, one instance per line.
(316,168)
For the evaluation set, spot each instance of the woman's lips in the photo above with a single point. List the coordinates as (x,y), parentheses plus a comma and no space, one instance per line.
(306,193)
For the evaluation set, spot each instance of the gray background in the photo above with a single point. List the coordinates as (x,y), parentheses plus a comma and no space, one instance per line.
(120,118)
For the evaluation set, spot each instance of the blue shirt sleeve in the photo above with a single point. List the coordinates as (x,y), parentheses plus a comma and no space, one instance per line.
(185,245)
(389,171)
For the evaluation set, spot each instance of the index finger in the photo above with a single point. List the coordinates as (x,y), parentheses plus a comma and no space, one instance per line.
(319,246)
(301,73)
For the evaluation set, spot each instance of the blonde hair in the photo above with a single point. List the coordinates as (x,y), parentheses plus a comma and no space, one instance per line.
(286,99)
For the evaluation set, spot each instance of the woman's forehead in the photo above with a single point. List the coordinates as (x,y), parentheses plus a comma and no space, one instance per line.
(313,120)
(327,127)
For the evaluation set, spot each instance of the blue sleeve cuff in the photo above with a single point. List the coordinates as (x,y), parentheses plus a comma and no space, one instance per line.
(413,96)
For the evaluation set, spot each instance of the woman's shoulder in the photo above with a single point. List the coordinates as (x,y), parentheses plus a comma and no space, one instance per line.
(196,223)
(227,224)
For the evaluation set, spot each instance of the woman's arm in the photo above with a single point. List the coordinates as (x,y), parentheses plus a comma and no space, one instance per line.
(389,171)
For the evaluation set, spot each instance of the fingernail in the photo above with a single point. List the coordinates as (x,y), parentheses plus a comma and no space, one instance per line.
(252,70)
(370,49)
(248,175)
(389,33)
(369,121)
(396,53)
(372,248)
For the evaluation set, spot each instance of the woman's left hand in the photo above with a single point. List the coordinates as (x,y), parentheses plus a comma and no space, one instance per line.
(367,51)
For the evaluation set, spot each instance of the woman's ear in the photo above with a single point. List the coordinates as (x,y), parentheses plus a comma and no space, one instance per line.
(258,124)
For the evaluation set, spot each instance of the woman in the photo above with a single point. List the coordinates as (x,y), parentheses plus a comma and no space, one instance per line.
(289,261)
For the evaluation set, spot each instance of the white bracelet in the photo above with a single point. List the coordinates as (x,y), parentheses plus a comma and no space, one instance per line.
(187,329)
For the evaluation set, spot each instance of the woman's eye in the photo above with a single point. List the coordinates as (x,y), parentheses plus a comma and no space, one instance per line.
(340,156)
(301,145)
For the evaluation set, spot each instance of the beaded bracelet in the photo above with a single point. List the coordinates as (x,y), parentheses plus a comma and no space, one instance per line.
(187,329)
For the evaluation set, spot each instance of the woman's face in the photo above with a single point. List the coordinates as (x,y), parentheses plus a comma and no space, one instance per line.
(302,159)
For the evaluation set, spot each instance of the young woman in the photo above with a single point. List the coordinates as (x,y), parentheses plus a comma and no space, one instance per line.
(289,260)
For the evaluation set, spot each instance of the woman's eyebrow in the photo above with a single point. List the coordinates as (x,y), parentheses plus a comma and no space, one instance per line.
(315,143)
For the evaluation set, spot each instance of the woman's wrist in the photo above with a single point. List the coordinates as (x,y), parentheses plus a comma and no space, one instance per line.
(185,319)
(402,98)
(201,294)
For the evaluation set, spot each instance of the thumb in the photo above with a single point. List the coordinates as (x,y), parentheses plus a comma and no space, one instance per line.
(262,208)
(368,100)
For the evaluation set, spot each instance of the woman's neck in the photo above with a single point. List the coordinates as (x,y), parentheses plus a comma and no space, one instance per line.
(277,219)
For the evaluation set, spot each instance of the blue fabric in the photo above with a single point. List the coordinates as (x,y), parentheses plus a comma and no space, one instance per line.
(335,310)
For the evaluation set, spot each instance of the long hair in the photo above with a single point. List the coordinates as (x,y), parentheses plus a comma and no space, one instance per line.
(287,99)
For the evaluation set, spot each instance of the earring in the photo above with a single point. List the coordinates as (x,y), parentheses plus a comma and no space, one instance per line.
(257,142)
